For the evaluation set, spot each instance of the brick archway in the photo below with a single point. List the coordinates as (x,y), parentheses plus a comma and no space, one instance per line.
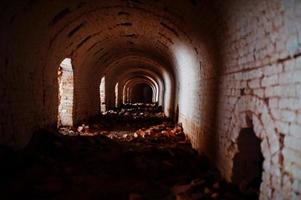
(256,115)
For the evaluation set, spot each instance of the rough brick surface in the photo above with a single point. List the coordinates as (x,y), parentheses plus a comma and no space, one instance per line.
(217,66)
(260,79)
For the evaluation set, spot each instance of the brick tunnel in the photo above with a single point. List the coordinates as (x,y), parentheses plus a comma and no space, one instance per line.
(226,73)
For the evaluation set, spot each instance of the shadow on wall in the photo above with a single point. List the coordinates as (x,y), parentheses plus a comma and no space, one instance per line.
(247,163)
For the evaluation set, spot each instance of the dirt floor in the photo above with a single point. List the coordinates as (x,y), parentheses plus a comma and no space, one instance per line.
(113,157)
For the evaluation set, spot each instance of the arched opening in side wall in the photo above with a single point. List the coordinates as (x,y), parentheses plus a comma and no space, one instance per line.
(65,94)
(102,94)
(248,162)
(142,93)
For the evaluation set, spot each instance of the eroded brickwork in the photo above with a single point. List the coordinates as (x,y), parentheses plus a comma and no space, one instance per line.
(260,88)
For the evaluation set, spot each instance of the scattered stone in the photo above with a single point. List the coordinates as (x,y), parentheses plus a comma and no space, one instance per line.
(93,161)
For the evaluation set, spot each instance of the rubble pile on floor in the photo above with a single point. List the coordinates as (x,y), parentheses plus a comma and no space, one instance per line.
(112,158)
(137,111)
(164,129)
(153,163)
(122,122)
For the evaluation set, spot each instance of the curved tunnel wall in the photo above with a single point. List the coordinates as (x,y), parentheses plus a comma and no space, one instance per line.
(131,84)
(155,78)
(241,57)
(128,66)
(126,75)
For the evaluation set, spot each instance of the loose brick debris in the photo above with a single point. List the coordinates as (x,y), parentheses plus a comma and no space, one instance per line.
(150,163)
(134,115)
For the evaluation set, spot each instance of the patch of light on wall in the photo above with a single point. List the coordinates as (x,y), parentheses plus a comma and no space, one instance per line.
(188,75)
(116,95)
(102,94)
(66,64)
(65,93)
(167,93)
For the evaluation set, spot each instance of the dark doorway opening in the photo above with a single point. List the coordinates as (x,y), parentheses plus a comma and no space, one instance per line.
(142,93)
(247,163)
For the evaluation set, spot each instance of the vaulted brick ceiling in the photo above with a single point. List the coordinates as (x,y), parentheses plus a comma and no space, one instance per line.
(98,32)
(169,38)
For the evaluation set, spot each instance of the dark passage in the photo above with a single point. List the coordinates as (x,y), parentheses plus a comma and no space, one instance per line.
(142,93)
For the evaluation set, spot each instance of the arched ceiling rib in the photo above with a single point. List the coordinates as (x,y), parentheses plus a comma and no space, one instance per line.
(94,32)
(130,84)
(136,63)
(100,27)
(100,31)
